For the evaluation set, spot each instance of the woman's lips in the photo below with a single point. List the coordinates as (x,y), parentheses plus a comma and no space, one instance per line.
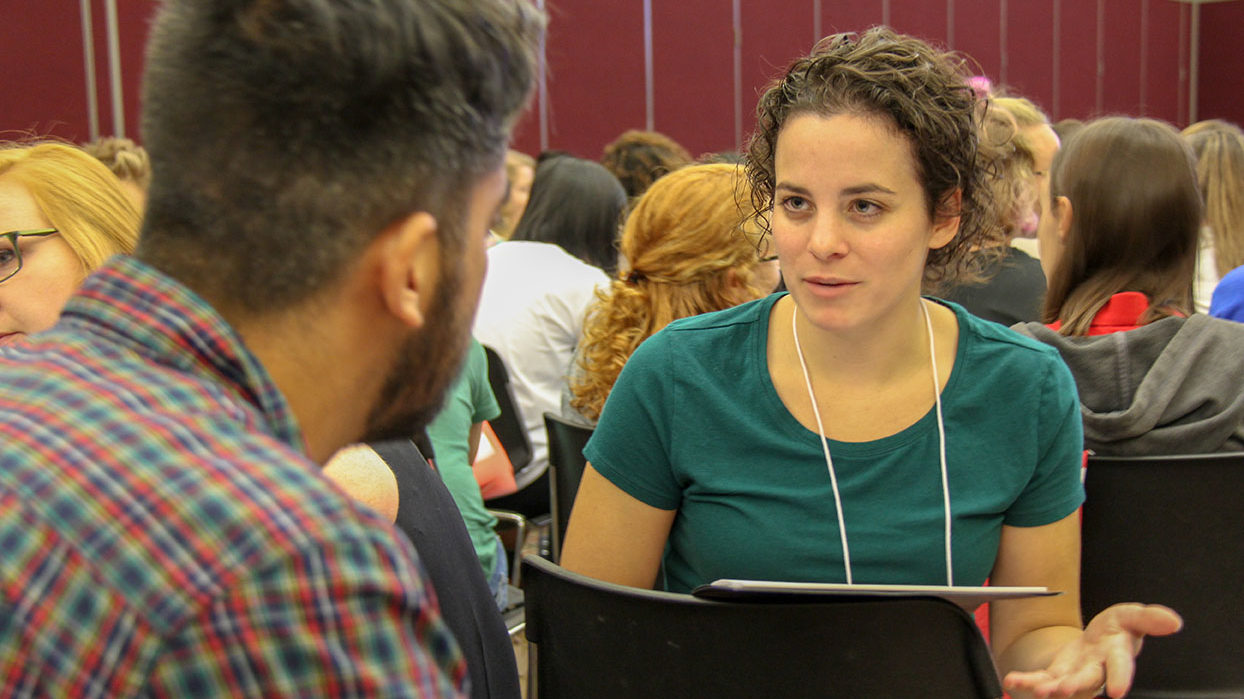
(6,338)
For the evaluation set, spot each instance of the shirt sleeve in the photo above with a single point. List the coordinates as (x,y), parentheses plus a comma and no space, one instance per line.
(1055,489)
(347,619)
(632,442)
(484,403)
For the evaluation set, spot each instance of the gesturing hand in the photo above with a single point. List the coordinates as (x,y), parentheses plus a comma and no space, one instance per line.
(1105,652)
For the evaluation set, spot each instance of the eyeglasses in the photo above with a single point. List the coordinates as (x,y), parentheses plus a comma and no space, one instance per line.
(11,254)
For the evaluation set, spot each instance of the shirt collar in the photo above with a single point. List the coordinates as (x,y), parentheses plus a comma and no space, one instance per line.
(161,319)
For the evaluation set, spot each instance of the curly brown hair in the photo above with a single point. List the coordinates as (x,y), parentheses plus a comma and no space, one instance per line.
(639,158)
(690,252)
(923,93)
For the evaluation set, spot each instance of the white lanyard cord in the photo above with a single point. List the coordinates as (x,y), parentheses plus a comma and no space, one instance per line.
(829,462)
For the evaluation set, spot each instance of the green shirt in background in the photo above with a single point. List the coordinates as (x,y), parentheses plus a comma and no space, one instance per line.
(469,401)
(694,424)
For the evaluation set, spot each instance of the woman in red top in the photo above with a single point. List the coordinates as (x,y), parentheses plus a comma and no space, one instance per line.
(1118,235)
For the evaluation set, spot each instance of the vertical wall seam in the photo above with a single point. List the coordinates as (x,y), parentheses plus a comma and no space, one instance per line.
(1056,51)
(88,53)
(885,12)
(542,86)
(1144,57)
(1194,65)
(737,19)
(1004,48)
(114,66)
(817,22)
(950,24)
(1181,95)
(649,99)
(1100,103)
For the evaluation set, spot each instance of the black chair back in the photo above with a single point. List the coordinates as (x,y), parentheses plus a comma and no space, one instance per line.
(509,425)
(566,462)
(595,639)
(1166,529)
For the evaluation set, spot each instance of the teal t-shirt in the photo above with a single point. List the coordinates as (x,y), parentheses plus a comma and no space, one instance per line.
(469,401)
(694,424)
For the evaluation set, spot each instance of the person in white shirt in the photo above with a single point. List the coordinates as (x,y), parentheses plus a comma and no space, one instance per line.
(537,291)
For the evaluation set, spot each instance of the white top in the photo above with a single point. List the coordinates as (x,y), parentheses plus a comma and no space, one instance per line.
(1206,271)
(531,312)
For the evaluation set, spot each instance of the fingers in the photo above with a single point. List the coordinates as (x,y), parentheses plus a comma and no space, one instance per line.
(1119,670)
(1149,619)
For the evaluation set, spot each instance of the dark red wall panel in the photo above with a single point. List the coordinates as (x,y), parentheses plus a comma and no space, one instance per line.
(595,74)
(1222,62)
(923,18)
(43,80)
(850,15)
(1122,56)
(1163,80)
(1077,46)
(976,34)
(774,35)
(1030,50)
(693,73)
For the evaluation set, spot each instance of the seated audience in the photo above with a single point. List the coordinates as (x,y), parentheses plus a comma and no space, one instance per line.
(688,254)
(520,168)
(62,214)
(308,266)
(1219,149)
(426,512)
(756,441)
(639,158)
(455,434)
(1119,238)
(538,288)
(1005,284)
(128,161)
(1228,301)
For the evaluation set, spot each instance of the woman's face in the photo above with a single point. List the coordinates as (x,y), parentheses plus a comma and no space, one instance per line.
(520,192)
(32,299)
(850,222)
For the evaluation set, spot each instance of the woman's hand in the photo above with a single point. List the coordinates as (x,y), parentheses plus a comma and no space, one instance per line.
(1105,652)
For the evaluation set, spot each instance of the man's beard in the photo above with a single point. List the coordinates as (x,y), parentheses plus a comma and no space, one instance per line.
(426,366)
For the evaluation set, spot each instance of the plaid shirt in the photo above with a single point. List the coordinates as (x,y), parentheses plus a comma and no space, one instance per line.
(163,533)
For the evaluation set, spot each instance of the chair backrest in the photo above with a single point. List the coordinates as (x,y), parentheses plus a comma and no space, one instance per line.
(1166,529)
(509,425)
(428,516)
(595,639)
(566,462)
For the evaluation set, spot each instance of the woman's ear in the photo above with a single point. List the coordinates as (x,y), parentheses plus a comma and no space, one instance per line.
(410,267)
(1063,214)
(946,220)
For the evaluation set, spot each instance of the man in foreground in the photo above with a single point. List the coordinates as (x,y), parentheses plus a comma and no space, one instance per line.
(324,177)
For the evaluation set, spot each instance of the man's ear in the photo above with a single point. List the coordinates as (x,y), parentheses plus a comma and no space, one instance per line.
(410,268)
(1063,214)
(946,220)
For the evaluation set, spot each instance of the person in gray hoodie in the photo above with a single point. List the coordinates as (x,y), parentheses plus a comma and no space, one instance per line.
(1118,236)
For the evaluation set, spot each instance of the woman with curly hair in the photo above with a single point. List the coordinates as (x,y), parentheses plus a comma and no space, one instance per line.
(688,253)
(854,430)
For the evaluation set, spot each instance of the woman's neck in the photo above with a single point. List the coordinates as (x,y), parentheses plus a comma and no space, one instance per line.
(873,353)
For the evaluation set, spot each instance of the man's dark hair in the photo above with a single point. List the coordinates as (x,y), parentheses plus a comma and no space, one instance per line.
(577,204)
(285,134)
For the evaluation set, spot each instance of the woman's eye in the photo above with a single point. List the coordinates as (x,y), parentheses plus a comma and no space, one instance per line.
(795,203)
(864,207)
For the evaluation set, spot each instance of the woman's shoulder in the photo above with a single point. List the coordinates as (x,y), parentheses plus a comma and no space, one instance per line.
(737,318)
(1018,342)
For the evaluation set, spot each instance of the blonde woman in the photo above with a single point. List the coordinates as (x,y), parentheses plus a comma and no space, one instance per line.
(689,254)
(1219,149)
(62,213)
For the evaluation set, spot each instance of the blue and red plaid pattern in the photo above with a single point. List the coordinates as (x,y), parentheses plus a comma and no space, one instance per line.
(163,533)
